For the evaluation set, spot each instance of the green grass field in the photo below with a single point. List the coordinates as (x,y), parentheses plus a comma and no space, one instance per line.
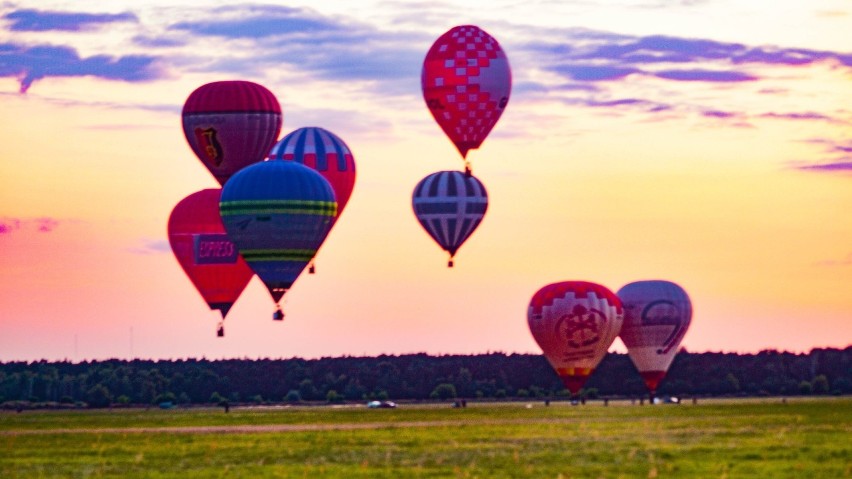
(805,438)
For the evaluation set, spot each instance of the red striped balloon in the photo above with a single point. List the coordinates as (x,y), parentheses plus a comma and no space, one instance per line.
(230,125)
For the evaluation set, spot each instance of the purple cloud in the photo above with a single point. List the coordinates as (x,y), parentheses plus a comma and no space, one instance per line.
(831,146)
(42,225)
(46,225)
(842,165)
(594,72)
(594,57)
(158,41)
(634,103)
(799,116)
(31,63)
(30,20)
(327,46)
(720,114)
(7,225)
(705,76)
(261,22)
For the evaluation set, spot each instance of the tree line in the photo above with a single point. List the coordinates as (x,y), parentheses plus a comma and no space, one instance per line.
(408,377)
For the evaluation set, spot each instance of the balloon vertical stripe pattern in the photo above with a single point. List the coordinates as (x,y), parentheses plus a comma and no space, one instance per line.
(450,205)
(323,151)
(230,125)
(574,323)
(278,213)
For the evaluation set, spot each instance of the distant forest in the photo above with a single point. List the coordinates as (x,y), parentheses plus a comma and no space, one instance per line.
(492,376)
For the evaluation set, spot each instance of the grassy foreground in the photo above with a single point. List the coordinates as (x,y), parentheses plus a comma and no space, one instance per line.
(720,439)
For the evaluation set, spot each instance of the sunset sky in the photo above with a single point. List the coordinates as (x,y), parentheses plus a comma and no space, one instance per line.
(705,142)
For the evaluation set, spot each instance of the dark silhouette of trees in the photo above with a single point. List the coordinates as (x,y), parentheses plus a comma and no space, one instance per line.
(492,376)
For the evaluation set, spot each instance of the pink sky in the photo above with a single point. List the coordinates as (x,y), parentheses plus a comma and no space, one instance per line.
(640,142)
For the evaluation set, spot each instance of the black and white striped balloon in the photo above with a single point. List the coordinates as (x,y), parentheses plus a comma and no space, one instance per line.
(450,205)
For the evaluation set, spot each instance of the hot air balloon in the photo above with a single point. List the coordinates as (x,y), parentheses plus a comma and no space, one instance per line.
(323,151)
(278,213)
(657,314)
(574,323)
(450,205)
(204,251)
(466,83)
(230,125)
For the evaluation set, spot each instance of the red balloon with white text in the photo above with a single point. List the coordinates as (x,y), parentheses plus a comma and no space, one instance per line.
(206,254)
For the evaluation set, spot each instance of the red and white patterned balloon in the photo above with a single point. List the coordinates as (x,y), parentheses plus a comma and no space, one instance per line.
(574,323)
(466,83)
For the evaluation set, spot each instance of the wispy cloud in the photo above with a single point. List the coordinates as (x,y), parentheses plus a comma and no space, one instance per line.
(31,63)
(803,116)
(847,261)
(583,55)
(42,225)
(46,225)
(330,47)
(31,20)
(842,165)
(8,225)
(148,246)
(838,157)
(261,22)
(717,76)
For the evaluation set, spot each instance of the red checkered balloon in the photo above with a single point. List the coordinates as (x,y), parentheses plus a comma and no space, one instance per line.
(466,84)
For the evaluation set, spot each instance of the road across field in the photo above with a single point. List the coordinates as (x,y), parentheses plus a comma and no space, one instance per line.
(264,428)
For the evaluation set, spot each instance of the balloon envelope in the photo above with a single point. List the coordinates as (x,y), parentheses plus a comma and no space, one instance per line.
(230,125)
(656,316)
(450,205)
(574,323)
(277,213)
(204,251)
(466,82)
(323,151)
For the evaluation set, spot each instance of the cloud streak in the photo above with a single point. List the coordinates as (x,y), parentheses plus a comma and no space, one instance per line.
(847,261)
(31,63)
(8,225)
(589,56)
(261,22)
(151,246)
(41,225)
(841,165)
(31,20)
(331,48)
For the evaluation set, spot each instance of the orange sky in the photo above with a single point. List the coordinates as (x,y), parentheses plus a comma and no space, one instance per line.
(729,175)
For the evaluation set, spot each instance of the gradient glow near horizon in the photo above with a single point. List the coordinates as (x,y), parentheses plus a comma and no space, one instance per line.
(702,142)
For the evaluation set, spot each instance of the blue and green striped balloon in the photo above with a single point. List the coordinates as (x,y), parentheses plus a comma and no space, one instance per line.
(277,213)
